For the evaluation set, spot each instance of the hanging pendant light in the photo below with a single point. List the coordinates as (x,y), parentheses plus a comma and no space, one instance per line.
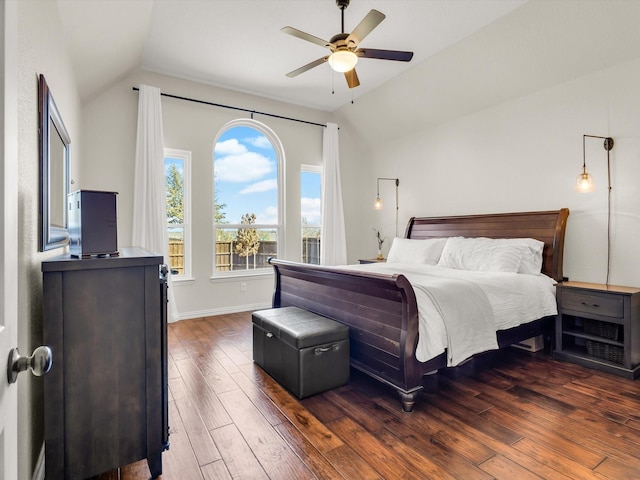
(584,182)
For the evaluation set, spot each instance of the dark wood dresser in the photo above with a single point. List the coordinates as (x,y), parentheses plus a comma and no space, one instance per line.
(106,394)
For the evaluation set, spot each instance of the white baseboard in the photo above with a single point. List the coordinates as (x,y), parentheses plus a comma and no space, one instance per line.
(38,472)
(222,311)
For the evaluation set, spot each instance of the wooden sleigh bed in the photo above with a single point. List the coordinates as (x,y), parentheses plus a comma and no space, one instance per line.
(381,310)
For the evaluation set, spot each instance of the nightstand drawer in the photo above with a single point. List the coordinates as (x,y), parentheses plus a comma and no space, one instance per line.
(593,303)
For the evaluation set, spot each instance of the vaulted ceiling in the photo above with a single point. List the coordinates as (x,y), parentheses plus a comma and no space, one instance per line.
(238,44)
(468,54)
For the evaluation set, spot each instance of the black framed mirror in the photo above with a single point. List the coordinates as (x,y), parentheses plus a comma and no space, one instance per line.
(54,171)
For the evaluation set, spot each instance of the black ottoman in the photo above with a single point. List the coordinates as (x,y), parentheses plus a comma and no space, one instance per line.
(304,352)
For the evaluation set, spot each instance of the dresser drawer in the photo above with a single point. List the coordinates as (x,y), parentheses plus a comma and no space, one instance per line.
(592,303)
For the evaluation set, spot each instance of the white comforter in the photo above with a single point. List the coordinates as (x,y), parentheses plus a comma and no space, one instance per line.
(448,321)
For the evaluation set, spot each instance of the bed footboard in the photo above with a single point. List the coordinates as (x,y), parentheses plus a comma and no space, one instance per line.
(380,311)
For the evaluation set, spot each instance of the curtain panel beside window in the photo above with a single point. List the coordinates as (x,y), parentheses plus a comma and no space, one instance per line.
(333,245)
(149,196)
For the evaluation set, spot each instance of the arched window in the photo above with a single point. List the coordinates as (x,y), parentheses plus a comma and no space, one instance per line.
(248,161)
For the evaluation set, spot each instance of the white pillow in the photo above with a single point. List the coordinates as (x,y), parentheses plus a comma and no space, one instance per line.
(406,250)
(481,254)
(531,261)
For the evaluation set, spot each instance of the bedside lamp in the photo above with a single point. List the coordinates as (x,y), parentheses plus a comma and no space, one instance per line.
(378,203)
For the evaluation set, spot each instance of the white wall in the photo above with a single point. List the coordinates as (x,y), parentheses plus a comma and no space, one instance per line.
(40,50)
(523,155)
(109,122)
(520,155)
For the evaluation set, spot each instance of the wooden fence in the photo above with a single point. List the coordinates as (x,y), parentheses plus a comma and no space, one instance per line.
(227,261)
(176,257)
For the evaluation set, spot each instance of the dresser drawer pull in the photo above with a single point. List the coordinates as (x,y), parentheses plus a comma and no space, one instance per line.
(590,304)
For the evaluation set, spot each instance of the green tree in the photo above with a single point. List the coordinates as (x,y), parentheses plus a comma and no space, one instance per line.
(218,208)
(247,239)
(175,195)
(309,231)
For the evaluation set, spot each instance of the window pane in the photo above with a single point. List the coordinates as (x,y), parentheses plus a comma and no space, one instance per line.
(246,198)
(311,221)
(174,175)
(245,248)
(245,177)
(176,170)
(176,250)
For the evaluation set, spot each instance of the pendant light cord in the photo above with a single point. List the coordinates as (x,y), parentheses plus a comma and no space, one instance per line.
(608,215)
(397,183)
(608,145)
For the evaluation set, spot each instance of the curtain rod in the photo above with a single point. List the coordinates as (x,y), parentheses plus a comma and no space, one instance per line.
(238,108)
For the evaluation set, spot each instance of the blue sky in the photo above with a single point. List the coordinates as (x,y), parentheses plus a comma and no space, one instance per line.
(310,188)
(246,173)
(168,161)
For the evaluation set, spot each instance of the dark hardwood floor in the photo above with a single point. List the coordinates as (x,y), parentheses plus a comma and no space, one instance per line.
(520,416)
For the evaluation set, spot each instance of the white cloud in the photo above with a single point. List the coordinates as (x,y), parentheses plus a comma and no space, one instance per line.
(310,209)
(229,147)
(259,142)
(242,167)
(268,217)
(263,186)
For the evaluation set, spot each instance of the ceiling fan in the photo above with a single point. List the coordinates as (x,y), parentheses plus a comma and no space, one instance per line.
(344,47)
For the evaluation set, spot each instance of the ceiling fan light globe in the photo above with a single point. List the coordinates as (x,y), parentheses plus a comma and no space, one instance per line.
(343,61)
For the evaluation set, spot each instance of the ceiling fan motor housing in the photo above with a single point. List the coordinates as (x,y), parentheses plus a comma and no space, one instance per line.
(338,42)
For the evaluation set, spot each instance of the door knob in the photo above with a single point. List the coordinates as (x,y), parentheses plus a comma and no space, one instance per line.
(39,362)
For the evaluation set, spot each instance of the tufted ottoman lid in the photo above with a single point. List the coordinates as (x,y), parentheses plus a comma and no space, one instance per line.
(299,328)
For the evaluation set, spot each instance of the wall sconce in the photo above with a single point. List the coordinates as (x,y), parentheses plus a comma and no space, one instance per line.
(378,203)
(584,184)
(584,181)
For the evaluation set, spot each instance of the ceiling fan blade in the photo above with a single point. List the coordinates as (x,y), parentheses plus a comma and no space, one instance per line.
(305,36)
(385,54)
(308,66)
(352,78)
(366,25)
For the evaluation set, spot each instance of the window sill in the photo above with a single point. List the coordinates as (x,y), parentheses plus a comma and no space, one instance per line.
(182,281)
(224,277)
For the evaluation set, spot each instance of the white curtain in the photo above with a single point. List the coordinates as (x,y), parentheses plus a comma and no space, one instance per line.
(333,243)
(149,191)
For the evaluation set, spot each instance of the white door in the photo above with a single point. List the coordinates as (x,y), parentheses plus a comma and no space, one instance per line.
(8,236)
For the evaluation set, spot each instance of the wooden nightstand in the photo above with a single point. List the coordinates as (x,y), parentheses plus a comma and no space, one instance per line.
(371,260)
(598,326)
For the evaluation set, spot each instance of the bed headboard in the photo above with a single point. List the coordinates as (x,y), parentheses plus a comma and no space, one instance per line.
(548,227)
